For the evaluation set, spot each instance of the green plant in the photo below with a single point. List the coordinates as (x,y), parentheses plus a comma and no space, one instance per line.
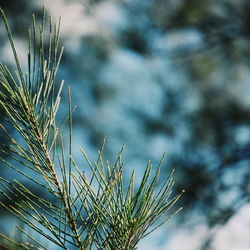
(75,211)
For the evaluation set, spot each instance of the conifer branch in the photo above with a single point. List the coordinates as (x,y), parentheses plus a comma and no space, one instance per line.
(80,211)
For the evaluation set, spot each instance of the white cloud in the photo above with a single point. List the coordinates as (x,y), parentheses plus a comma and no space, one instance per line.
(75,23)
(235,235)
(184,239)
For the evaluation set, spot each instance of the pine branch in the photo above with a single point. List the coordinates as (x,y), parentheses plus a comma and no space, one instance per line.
(78,211)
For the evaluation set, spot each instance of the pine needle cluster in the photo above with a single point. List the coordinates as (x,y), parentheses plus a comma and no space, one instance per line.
(73,210)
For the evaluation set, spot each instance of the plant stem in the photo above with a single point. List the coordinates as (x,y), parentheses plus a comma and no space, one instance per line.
(129,240)
(44,148)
